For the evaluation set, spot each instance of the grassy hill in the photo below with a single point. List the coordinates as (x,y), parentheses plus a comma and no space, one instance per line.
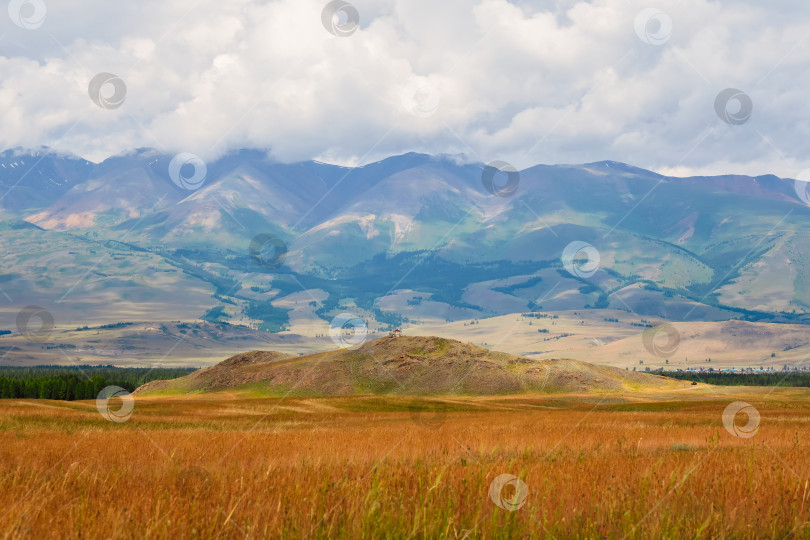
(405,366)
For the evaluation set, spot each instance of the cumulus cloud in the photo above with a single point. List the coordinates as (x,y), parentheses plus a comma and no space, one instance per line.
(525,82)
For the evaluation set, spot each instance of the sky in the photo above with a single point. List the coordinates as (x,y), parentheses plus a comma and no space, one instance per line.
(679,87)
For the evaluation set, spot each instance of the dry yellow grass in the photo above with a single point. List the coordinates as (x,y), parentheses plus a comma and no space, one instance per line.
(230,466)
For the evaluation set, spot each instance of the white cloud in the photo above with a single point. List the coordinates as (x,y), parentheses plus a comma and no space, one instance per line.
(526,82)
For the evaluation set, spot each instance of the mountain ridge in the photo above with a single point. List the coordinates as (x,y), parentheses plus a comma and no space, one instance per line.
(409,238)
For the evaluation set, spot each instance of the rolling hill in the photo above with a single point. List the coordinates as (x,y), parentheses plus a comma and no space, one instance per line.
(405,366)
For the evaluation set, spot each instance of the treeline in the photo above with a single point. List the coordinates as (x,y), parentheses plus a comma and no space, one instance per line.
(770,378)
(76,382)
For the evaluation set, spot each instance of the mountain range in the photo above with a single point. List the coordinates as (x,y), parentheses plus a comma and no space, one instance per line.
(407,240)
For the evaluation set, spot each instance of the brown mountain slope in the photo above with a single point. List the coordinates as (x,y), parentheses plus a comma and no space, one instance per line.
(409,366)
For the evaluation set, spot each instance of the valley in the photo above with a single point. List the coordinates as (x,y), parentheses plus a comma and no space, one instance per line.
(605,337)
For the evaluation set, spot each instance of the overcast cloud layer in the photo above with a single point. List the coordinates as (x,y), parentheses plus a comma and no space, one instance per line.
(525,82)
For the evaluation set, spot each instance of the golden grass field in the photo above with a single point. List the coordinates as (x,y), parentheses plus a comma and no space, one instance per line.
(235,466)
